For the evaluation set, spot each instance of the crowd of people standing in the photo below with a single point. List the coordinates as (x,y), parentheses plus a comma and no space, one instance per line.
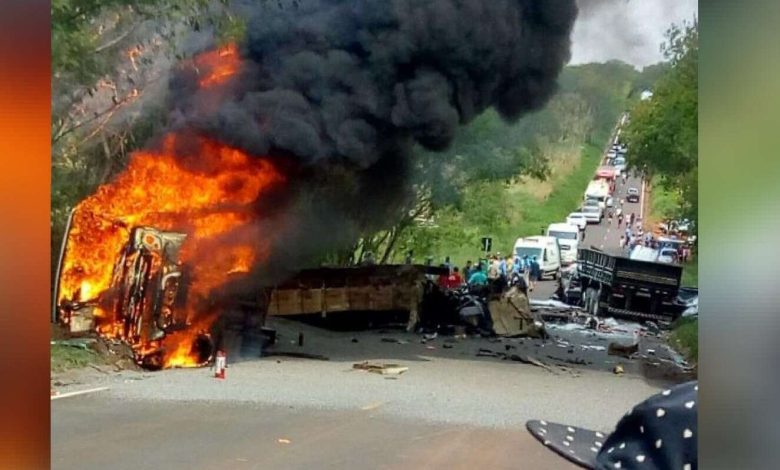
(495,272)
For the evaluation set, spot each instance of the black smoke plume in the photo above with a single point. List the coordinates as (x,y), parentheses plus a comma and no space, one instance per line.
(341,90)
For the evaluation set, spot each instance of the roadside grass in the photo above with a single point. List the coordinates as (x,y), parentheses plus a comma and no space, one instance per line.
(528,215)
(685,337)
(68,357)
(690,275)
(566,197)
(562,161)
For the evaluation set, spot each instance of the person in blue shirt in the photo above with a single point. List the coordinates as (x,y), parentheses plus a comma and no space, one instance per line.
(535,272)
(517,266)
(478,278)
(526,270)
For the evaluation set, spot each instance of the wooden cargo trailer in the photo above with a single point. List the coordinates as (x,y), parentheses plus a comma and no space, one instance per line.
(355,289)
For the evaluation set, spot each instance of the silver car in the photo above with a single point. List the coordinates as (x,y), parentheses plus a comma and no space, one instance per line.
(593,214)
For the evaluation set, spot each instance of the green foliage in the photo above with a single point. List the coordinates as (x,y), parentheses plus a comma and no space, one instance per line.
(685,335)
(649,77)
(690,277)
(666,200)
(663,133)
(605,87)
(67,357)
(230,28)
(76,27)
(488,209)
(565,198)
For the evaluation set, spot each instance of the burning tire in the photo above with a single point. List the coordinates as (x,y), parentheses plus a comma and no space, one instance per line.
(200,353)
(203,348)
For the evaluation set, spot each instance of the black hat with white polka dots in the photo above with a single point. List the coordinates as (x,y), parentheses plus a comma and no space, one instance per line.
(659,433)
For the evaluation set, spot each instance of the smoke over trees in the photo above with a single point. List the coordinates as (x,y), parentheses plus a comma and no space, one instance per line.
(341,90)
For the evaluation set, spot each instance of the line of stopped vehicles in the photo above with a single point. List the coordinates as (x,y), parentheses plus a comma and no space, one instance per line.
(643,284)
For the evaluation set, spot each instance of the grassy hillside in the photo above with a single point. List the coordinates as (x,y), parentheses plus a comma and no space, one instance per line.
(524,213)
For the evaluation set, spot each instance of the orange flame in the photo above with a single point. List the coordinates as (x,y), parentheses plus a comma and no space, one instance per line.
(218,66)
(207,194)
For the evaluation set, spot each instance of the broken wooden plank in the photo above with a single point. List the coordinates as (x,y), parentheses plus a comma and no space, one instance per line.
(382,369)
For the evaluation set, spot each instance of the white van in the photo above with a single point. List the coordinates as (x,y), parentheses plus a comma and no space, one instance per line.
(568,241)
(547,253)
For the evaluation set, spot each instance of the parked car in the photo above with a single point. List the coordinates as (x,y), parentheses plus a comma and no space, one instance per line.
(620,165)
(680,226)
(578,219)
(593,214)
(668,255)
(590,202)
(610,202)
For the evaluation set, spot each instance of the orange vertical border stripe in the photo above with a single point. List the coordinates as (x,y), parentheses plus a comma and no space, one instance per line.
(25,71)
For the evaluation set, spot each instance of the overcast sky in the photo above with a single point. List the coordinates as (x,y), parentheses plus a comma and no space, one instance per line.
(628,30)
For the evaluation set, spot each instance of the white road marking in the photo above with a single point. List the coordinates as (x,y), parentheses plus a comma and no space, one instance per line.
(78,392)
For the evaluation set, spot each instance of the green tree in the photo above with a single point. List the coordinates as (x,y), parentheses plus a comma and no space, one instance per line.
(663,133)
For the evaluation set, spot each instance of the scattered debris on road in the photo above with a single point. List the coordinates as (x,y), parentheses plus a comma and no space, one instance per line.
(394,341)
(530,360)
(296,355)
(617,349)
(382,369)
(486,353)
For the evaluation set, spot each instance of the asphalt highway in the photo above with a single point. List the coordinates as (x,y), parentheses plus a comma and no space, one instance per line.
(605,235)
(92,432)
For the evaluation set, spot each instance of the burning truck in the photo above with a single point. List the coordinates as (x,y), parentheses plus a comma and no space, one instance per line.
(143,257)
(145,301)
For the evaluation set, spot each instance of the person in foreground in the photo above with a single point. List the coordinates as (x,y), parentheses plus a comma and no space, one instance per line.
(659,433)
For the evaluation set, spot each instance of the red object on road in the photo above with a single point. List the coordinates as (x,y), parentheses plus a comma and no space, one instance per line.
(220,364)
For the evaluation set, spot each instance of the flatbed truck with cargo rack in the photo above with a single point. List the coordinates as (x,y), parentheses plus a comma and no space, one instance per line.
(618,286)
